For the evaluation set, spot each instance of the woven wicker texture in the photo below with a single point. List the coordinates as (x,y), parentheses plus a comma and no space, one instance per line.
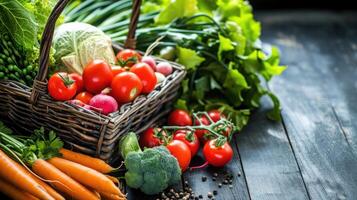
(84,130)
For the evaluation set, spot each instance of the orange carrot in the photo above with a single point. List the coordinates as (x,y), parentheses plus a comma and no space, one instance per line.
(14,175)
(85,175)
(48,189)
(94,163)
(14,193)
(113,179)
(96,194)
(108,196)
(62,182)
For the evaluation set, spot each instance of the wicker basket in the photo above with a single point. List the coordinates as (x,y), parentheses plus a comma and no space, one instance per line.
(84,130)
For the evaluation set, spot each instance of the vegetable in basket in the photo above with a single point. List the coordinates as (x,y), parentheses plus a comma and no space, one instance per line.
(151,170)
(77,44)
(217,41)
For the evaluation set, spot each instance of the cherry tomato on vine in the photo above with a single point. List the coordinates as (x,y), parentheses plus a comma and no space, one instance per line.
(117,70)
(216,115)
(84,97)
(180,118)
(61,87)
(194,144)
(217,156)
(128,57)
(201,132)
(146,75)
(78,79)
(181,152)
(148,139)
(126,86)
(97,75)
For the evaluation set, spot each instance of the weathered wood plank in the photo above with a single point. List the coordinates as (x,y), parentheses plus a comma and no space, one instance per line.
(268,161)
(238,190)
(327,161)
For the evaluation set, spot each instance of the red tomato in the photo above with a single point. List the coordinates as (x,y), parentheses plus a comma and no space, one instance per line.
(97,75)
(126,86)
(117,70)
(180,118)
(194,145)
(181,152)
(216,115)
(146,75)
(61,87)
(128,57)
(217,156)
(84,97)
(148,139)
(201,132)
(78,80)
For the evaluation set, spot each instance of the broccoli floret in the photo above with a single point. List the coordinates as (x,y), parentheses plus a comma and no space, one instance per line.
(133,179)
(154,182)
(151,170)
(150,160)
(163,149)
(174,169)
(133,162)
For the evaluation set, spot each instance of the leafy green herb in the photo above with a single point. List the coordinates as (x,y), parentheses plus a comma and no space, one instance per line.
(40,145)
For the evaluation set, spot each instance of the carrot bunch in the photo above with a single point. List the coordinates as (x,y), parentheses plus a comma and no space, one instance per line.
(49,172)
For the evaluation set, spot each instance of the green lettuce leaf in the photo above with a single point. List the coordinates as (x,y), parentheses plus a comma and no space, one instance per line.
(228,8)
(236,35)
(225,44)
(234,84)
(21,24)
(189,58)
(176,9)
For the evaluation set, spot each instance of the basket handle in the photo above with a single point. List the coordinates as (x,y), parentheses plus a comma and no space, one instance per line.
(40,83)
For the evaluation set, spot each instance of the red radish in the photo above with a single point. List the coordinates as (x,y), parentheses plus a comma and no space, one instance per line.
(164,68)
(150,61)
(160,77)
(105,103)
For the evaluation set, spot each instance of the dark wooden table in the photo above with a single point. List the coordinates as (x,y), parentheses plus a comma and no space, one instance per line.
(312,153)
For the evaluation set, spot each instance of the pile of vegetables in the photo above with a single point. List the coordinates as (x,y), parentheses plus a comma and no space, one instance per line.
(21,27)
(185,134)
(38,167)
(99,80)
(216,40)
(151,170)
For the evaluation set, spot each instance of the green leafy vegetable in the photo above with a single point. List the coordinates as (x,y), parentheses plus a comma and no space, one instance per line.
(21,26)
(151,170)
(40,145)
(218,43)
(189,58)
(76,44)
(179,8)
(15,19)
